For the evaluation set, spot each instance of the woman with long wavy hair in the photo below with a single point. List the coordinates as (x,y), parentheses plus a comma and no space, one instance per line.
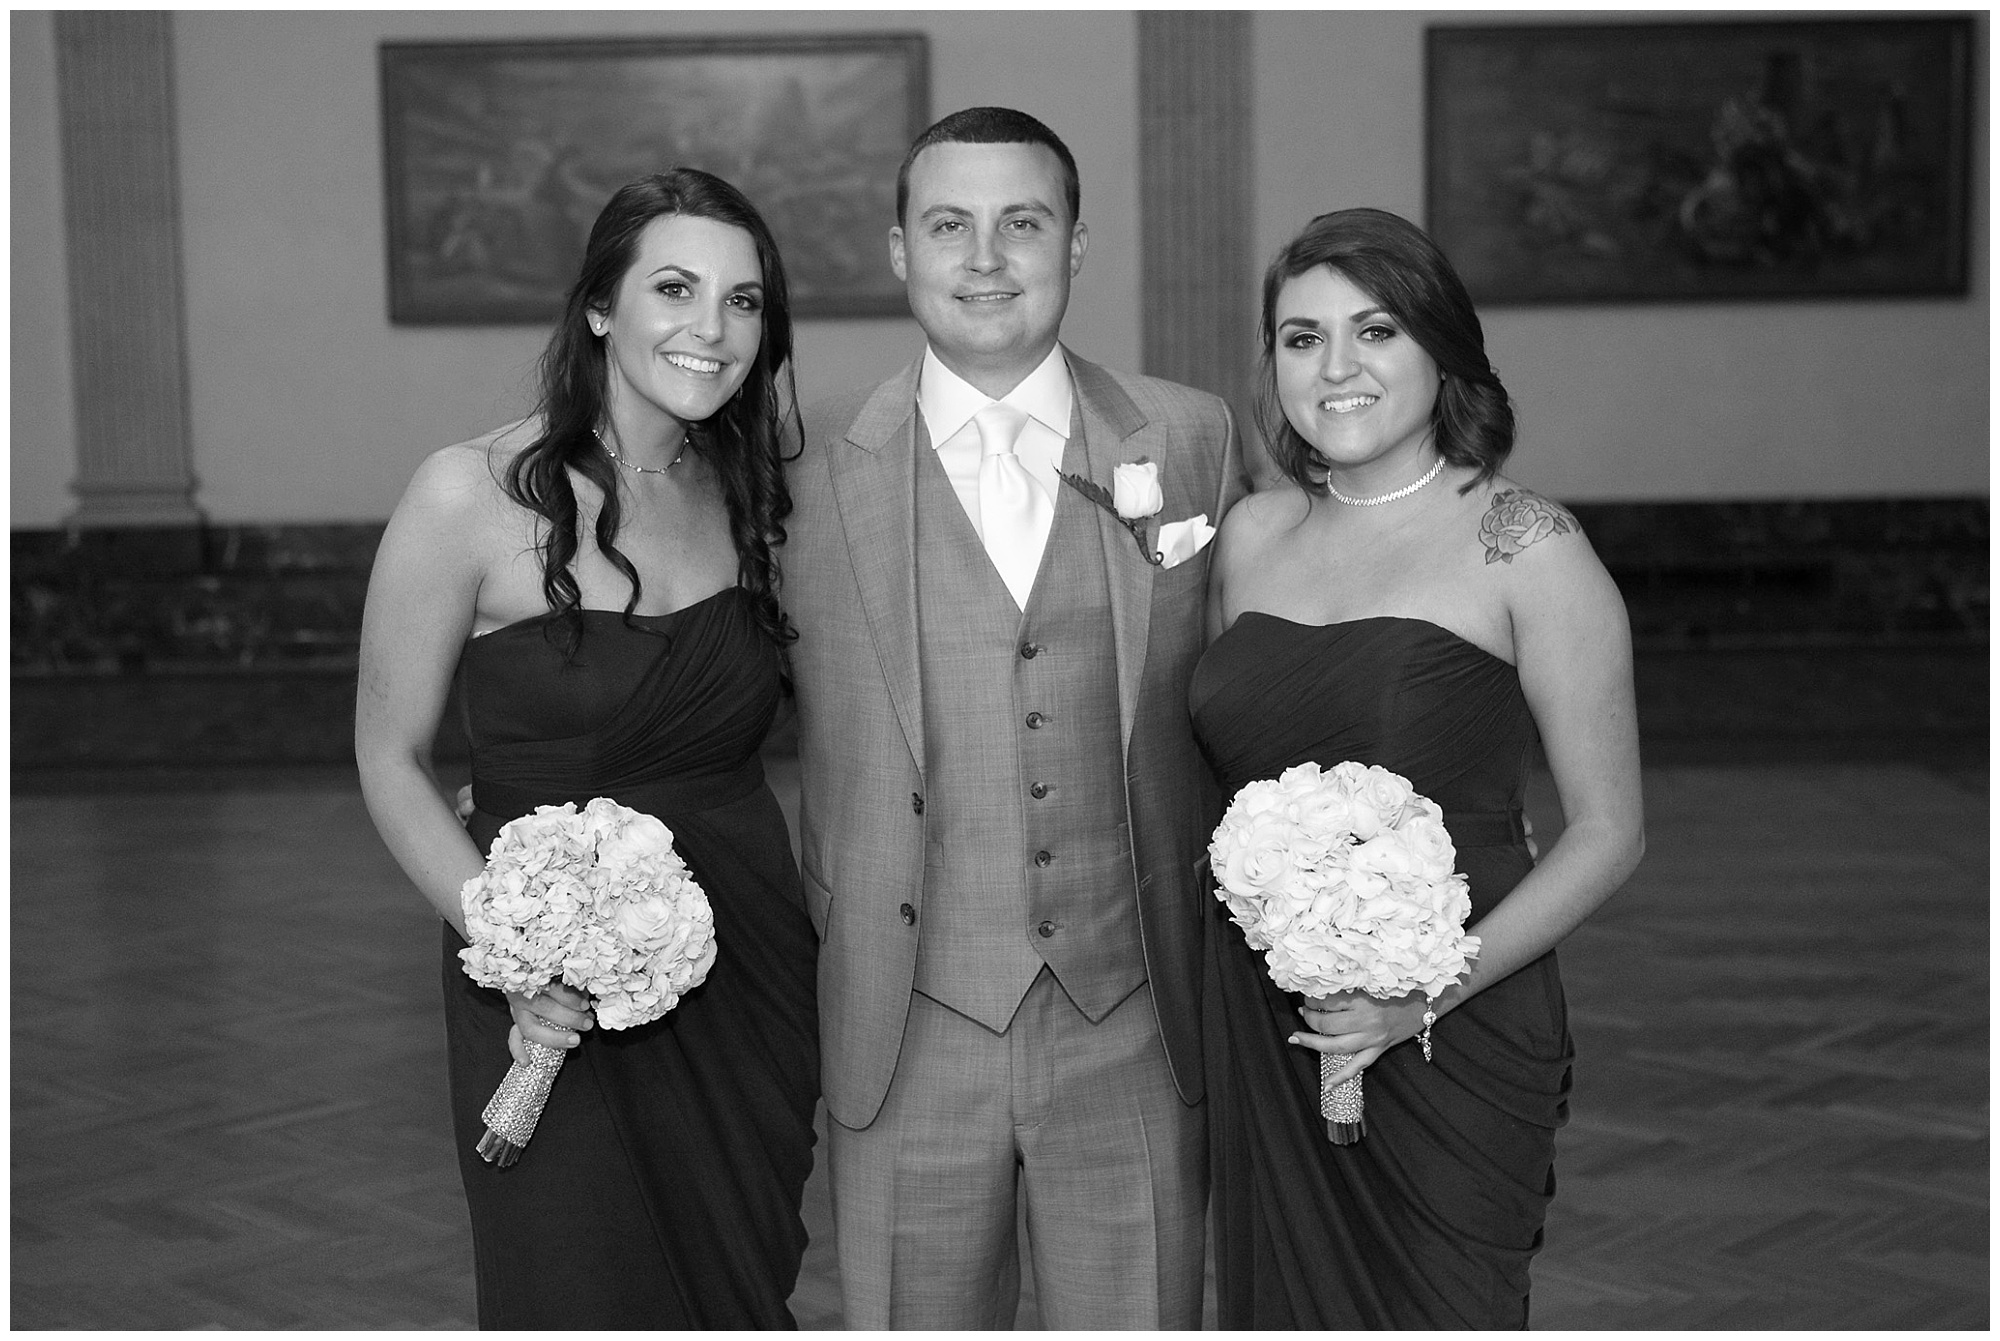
(600,582)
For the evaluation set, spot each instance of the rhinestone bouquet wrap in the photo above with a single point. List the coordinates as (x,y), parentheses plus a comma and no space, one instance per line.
(596,898)
(1343,878)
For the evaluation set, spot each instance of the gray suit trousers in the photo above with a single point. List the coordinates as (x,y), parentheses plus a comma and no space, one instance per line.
(1082,1120)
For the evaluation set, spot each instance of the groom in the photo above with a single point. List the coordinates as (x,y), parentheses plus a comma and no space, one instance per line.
(1004,812)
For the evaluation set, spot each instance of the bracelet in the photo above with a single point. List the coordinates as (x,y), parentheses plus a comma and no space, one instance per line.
(1430,1018)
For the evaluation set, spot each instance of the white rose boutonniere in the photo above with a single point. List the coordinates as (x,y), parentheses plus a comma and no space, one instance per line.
(1135,491)
(1134,498)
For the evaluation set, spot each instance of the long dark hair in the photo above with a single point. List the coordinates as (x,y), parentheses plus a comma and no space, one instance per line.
(1394,262)
(742,442)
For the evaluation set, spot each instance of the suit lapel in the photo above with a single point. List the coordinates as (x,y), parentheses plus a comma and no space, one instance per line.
(874,486)
(1116,433)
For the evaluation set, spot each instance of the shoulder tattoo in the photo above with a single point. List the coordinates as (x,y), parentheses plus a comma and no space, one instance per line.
(1516,520)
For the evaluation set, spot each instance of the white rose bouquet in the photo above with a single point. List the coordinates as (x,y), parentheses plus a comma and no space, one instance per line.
(599,899)
(1344,880)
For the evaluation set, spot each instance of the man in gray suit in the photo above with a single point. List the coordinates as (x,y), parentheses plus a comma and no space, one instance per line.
(1004,813)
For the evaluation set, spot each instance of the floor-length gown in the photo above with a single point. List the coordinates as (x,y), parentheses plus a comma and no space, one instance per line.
(1429,1221)
(662,1186)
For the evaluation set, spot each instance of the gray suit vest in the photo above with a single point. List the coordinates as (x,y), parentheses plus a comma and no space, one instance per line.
(1028,854)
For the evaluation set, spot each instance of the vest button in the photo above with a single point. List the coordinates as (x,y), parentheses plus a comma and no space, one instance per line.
(909,915)
(1043,858)
(1047,929)
(916,803)
(1035,721)
(1039,790)
(1029,651)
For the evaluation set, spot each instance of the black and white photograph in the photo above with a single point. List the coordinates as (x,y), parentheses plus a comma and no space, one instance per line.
(1678,161)
(497,155)
(986,669)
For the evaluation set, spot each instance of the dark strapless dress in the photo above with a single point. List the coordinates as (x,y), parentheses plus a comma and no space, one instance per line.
(662,1186)
(1430,1220)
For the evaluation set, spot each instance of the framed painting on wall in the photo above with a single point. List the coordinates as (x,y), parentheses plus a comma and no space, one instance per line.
(497,157)
(1684,161)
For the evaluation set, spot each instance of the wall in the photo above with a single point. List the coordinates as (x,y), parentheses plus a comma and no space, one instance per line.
(1826,399)
(308,405)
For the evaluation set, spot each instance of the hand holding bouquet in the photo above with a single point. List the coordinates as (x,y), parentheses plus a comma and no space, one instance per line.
(1344,880)
(596,898)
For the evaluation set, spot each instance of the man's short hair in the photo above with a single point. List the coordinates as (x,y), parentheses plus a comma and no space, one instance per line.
(991,125)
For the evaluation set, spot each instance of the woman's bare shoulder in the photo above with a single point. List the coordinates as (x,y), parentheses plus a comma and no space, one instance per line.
(1534,552)
(1269,512)
(462,487)
(1255,525)
(473,468)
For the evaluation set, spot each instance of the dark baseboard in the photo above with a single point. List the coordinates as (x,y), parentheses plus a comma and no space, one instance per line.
(1810,629)
(189,598)
(1803,573)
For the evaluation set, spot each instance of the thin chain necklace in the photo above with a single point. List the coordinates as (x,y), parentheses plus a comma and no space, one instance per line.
(1379,499)
(642,470)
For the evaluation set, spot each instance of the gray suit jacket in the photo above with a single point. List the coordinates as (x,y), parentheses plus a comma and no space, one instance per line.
(849,586)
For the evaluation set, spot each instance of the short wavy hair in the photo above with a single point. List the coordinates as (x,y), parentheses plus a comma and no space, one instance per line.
(1394,262)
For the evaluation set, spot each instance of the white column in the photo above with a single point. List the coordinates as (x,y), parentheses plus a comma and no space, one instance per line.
(114,81)
(1198,311)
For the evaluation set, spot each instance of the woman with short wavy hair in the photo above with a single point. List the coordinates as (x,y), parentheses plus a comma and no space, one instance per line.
(1401,603)
(599,583)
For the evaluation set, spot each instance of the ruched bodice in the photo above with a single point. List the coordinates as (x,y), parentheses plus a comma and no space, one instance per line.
(1406,694)
(662,1187)
(1431,1219)
(664,714)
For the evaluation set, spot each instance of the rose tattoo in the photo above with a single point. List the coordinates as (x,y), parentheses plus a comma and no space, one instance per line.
(1517,520)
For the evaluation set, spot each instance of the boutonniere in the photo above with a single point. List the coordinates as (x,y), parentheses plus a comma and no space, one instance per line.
(1134,498)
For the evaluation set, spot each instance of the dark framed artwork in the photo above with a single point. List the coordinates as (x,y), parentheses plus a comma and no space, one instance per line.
(497,157)
(1684,161)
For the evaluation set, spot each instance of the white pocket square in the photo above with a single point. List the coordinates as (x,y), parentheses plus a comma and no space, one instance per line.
(1182,540)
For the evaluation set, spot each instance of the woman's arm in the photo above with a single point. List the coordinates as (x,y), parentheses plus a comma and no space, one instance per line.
(422,596)
(423,601)
(1573,650)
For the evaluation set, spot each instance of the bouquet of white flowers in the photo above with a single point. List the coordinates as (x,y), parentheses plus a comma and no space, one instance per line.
(1344,880)
(599,899)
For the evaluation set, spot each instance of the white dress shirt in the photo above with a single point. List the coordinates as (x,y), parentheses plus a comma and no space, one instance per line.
(948,403)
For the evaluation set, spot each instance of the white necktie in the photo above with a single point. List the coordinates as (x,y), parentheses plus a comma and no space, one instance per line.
(1014,513)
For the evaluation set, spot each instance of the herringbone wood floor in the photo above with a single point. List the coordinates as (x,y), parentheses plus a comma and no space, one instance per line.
(228,1100)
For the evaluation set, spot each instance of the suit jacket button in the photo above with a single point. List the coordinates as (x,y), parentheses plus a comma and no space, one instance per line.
(1043,858)
(1047,929)
(916,803)
(909,915)
(1039,790)
(1029,651)
(1035,721)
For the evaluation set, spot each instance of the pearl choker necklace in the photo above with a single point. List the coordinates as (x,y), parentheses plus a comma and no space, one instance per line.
(1392,496)
(642,470)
